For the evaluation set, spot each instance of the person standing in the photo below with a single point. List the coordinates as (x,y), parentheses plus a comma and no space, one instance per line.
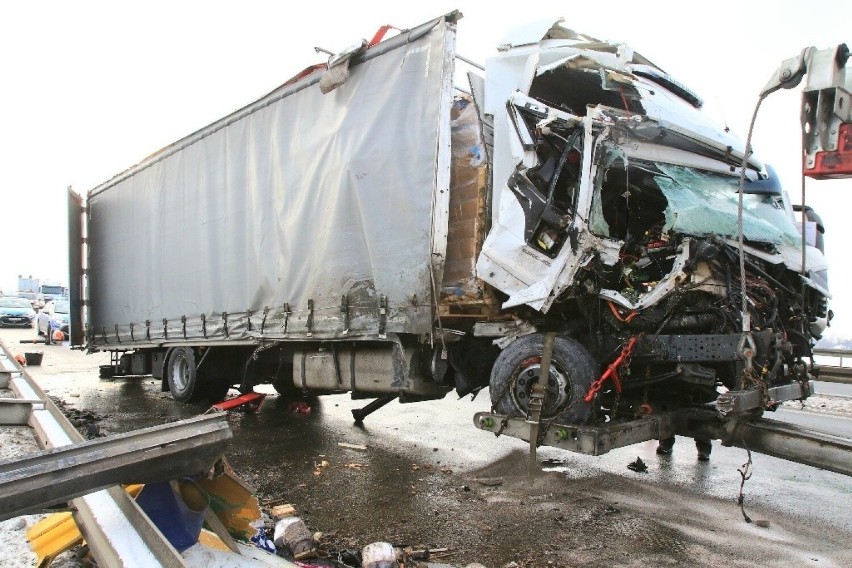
(703,445)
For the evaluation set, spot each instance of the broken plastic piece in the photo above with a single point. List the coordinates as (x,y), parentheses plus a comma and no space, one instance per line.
(178,511)
(299,408)
(378,555)
(251,401)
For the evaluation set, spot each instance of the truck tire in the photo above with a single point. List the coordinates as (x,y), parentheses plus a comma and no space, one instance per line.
(572,370)
(182,375)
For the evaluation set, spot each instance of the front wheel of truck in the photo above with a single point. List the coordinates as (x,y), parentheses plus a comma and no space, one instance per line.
(518,368)
(183,376)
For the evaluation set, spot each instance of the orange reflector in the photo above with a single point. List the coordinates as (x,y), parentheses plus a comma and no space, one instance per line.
(837,164)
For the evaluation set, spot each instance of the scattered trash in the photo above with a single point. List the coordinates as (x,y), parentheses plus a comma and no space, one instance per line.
(319,466)
(21,360)
(260,539)
(378,555)
(552,462)
(292,533)
(638,466)
(358,466)
(85,421)
(352,446)
(299,408)
(281,511)
(425,553)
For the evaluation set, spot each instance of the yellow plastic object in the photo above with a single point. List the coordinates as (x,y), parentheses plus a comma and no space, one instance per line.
(52,536)
(58,532)
(234,503)
(210,540)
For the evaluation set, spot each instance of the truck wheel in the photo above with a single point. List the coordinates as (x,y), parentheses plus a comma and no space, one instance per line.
(182,375)
(572,370)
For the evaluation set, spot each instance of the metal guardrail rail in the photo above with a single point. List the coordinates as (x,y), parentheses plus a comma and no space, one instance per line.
(838,373)
(118,533)
(794,443)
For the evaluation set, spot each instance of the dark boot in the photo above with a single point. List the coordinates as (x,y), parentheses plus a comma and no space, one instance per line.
(665,446)
(704,447)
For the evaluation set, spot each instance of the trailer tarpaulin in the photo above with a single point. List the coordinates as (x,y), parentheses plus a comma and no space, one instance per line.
(303,214)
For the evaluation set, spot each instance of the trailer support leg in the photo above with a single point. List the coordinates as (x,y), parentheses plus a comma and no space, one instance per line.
(361,413)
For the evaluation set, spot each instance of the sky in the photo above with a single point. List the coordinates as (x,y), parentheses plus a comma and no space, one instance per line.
(89,88)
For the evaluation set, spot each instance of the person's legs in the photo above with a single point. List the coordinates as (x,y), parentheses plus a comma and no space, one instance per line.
(704,447)
(665,446)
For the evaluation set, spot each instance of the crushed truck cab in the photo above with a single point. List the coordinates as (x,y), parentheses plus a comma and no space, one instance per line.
(564,230)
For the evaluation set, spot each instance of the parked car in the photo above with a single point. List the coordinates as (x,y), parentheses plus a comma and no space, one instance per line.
(55,315)
(36,299)
(16,312)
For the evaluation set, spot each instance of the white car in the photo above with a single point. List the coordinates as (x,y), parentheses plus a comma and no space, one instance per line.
(55,315)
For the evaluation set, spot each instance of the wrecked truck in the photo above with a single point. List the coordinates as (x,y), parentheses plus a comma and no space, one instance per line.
(564,229)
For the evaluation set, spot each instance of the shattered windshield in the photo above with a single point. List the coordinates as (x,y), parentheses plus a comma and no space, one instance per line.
(654,197)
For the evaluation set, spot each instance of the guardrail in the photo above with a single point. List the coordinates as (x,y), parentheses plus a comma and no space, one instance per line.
(839,353)
(839,373)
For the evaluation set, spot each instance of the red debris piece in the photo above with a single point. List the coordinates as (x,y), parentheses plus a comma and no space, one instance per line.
(299,408)
(250,401)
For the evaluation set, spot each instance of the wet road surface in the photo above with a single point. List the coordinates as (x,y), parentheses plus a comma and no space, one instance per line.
(428,477)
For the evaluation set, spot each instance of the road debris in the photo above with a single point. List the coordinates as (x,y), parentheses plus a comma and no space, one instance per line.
(260,539)
(349,446)
(282,511)
(248,402)
(638,466)
(299,408)
(745,475)
(292,533)
(378,555)
(320,466)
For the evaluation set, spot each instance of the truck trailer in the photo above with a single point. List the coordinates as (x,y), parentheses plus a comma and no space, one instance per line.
(568,228)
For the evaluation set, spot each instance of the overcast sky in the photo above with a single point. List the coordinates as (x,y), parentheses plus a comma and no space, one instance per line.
(91,87)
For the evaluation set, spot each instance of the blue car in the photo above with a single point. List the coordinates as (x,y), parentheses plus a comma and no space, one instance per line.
(16,312)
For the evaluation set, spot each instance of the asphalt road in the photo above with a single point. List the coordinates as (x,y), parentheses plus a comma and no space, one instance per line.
(428,477)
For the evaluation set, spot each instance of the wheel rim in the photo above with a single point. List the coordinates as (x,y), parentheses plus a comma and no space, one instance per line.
(557,394)
(180,373)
